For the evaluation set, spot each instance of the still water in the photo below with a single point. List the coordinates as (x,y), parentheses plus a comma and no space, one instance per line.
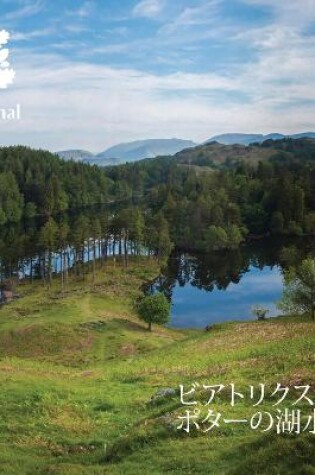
(203,288)
(207,289)
(196,307)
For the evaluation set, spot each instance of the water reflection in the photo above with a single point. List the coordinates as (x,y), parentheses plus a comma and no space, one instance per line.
(205,289)
(193,307)
(202,288)
(35,249)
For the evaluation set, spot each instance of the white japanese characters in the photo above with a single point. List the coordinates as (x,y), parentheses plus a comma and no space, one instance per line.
(201,418)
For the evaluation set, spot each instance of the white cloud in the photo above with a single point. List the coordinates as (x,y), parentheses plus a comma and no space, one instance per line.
(27,10)
(85,9)
(148,8)
(290,11)
(284,70)
(77,104)
(24,36)
(67,104)
(193,20)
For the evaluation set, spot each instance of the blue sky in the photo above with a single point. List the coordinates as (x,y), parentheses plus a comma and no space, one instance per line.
(90,74)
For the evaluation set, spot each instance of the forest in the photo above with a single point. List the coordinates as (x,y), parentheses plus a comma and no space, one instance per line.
(36,182)
(202,198)
(217,205)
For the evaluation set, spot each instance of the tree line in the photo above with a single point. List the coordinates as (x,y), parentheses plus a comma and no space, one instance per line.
(77,243)
(179,204)
(213,209)
(36,182)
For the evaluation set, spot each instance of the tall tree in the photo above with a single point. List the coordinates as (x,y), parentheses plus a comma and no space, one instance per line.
(96,232)
(299,289)
(48,238)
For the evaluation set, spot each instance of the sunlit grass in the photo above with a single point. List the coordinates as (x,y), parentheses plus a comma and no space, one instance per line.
(77,371)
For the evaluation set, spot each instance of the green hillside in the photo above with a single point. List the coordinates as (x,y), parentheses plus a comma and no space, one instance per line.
(78,372)
(216,196)
(216,155)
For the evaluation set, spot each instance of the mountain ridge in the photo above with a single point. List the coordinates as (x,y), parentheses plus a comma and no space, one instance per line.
(129,151)
(150,148)
(247,139)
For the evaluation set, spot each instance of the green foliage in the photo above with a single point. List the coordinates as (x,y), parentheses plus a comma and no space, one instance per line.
(260,312)
(277,222)
(212,190)
(299,289)
(77,374)
(48,235)
(234,236)
(158,236)
(137,225)
(309,223)
(216,238)
(95,228)
(294,229)
(3,217)
(290,255)
(154,309)
(30,210)
(209,197)
(63,233)
(11,200)
(38,182)
(164,244)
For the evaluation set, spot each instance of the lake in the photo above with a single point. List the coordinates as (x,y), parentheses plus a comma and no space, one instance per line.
(203,288)
(192,306)
(218,287)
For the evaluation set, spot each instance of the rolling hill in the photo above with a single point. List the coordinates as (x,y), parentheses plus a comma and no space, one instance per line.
(133,151)
(246,139)
(218,149)
(216,155)
(129,152)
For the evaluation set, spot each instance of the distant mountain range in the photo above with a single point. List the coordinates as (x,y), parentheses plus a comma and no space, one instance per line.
(246,139)
(129,152)
(140,149)
(133,151)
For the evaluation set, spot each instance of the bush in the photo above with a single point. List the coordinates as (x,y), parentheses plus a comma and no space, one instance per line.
(260,312)
(154,309)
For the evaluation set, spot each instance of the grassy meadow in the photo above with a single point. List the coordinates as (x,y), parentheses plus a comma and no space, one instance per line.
(78,371)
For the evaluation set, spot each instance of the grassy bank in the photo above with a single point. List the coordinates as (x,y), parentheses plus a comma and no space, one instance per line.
(78,371)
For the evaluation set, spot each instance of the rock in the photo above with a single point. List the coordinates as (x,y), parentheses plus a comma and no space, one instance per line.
(163,392)
(169,422)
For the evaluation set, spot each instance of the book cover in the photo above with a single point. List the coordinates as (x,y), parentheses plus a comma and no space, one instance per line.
(157,237)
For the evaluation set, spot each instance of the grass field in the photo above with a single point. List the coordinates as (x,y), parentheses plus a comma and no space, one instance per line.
(78,371)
